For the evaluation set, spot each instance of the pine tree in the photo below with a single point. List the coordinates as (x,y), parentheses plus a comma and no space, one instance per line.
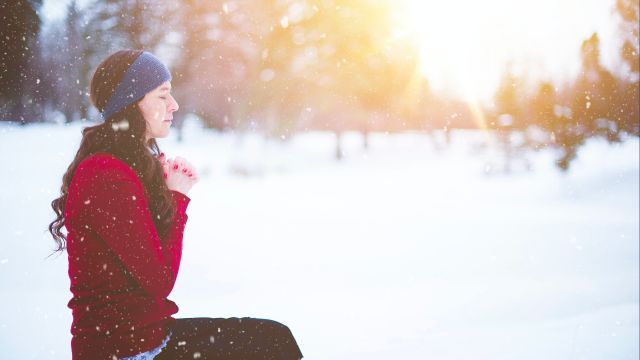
(629,112)
(19,29)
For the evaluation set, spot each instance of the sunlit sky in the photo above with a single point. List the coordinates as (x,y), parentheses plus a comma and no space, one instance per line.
(464,45)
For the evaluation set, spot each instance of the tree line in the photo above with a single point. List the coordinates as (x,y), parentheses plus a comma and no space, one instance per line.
(284,66)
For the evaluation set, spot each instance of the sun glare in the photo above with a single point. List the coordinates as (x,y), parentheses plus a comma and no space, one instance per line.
(465,45)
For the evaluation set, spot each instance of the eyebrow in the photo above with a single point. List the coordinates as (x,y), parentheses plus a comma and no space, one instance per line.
(166,87)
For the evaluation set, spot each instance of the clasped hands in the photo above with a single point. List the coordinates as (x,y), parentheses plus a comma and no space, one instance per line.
(179,174)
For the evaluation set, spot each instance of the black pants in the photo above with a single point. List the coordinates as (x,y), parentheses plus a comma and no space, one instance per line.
(230,339)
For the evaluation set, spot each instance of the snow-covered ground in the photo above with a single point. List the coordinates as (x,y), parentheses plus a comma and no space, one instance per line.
(405,251)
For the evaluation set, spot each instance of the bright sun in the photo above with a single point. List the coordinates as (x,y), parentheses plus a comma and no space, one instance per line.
(465,45)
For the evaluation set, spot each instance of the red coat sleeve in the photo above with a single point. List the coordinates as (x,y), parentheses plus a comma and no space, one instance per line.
(117,210)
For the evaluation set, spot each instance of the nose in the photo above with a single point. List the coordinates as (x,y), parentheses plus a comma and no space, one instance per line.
(173,104)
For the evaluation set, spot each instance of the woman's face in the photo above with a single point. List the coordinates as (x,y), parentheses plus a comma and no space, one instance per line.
(157,107)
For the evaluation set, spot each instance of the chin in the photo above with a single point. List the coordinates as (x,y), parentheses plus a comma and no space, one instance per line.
(160,136)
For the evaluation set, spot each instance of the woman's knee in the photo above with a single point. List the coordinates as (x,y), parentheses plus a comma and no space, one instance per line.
(277,329)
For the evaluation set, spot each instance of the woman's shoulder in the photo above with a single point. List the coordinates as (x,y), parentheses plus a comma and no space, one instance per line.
(104,164)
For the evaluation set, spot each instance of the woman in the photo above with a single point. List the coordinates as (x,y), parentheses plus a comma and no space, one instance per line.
(124,207)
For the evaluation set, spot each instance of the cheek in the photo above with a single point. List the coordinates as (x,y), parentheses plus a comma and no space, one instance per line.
(155,112)
(149,110)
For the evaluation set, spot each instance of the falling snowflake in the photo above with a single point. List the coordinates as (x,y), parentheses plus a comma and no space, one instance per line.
(284,22)
(267,75)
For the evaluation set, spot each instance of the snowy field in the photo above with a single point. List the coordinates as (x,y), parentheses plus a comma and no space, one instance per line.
(409,250)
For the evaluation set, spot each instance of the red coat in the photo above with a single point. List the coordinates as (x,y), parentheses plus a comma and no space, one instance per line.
(121,271)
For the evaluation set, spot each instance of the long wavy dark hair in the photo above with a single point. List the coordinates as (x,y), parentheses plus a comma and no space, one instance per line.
(123,135)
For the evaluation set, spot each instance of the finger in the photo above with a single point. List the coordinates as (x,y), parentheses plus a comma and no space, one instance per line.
(179,162)
(185,162)
(174,166)
(189,166)
(187,169)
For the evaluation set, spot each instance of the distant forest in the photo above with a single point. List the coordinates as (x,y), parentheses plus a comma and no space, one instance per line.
(251,66)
